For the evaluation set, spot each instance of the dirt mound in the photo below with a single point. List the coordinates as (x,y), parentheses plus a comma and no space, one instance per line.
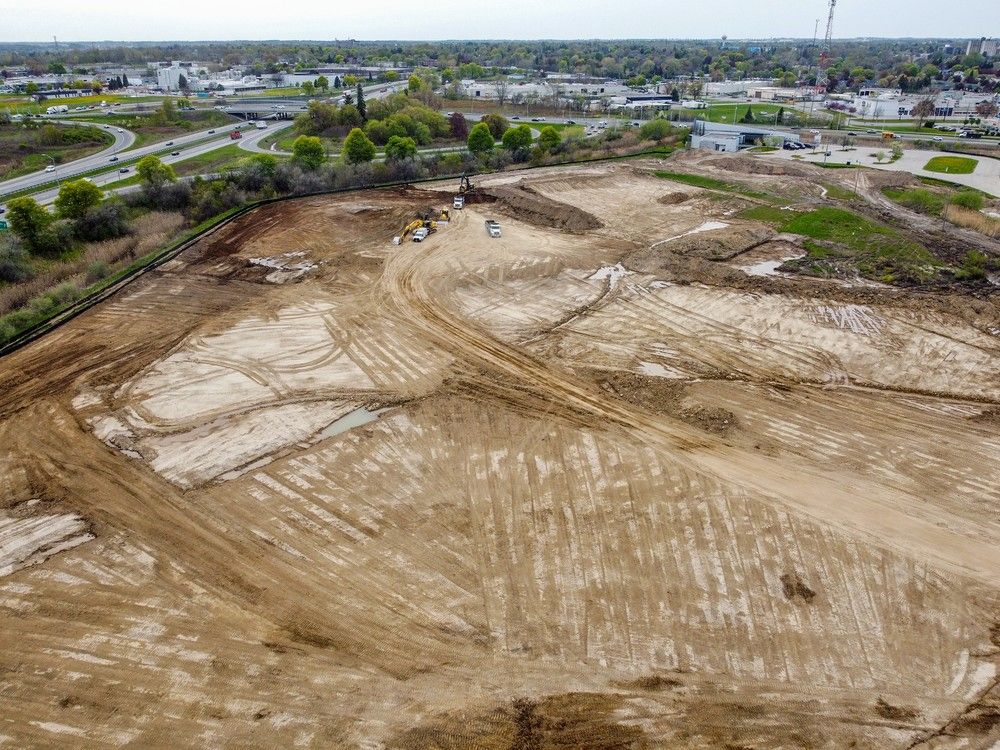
(524,203)
(672,199)
(878,178)
(750,165)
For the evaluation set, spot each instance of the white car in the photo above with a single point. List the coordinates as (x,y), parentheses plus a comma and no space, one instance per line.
(50,168)
(120,130)
(937,138)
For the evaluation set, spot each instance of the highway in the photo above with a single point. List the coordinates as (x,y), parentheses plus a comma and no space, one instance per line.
(103,159)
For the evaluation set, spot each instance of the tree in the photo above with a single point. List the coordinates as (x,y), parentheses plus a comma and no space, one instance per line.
(517,138)
(184,103)
(360,104)
(358,147)
(308,151)
(76,198)
(748,117)
(496,123)
(182,82)
(29,220)
(400,147)
(349,81)
(308,88)
(922,110)
(31,88)
(413,83)
(323,83)
(154,172)
(502,85)
(986,109)
(481,140)
(780,119)
(57,68)
(656,130)
(336,82)
(459,126)
(125,82)
(549,138)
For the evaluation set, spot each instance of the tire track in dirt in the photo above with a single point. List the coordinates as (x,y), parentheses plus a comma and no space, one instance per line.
(887,518)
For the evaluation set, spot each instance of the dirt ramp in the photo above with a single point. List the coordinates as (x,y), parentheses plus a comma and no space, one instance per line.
(526,204)
(752,165)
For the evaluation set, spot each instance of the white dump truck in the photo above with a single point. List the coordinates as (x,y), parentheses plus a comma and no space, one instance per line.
(493,227)
(419,235)
(459,202)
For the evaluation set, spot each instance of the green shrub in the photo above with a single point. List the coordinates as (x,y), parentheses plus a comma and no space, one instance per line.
(968,199)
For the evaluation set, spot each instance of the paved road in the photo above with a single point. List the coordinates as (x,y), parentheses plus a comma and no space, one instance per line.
(97,161)
(123,139)
(985,177)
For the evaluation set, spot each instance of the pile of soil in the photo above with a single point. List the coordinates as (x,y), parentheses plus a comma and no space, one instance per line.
(744,164)
(672,199)
(525,204)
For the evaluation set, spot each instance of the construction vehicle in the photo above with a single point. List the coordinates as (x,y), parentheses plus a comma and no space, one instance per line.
(465,185)
(427,221)
(888,135)
(493,228)
(235,135)
(458,203)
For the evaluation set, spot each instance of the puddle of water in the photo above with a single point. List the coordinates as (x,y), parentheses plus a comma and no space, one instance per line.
(707,226)
(356,418)
(767,267)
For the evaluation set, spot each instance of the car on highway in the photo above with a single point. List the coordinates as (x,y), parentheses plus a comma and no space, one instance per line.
(169,143)
(937,138)
(175,153)
(2,209)
(123,170)
(516,117)
(113,158)
(50,168)
(536,119)
(120,130)
(872,131)
(852,133)
(210,132)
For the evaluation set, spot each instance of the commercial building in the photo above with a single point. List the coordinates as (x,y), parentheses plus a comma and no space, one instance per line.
(984,46)
(716,136)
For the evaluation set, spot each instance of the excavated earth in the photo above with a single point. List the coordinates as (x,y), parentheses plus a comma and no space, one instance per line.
(610,481)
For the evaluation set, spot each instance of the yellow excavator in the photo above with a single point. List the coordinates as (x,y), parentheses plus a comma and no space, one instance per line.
(428,220)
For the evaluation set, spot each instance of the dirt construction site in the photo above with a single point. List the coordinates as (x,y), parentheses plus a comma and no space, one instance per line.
(612,480)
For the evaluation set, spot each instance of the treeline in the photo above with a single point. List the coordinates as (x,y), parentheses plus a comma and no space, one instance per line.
(909,63)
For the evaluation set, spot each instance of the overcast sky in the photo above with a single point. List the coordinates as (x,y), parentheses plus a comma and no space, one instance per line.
(77,20)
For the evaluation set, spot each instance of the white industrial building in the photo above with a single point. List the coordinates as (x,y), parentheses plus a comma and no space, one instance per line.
(716,136)
(890,104)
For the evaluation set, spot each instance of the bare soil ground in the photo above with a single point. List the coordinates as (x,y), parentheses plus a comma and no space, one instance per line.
(590,485)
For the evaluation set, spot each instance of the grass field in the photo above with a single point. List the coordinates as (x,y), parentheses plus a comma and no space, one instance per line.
(713,184)
(918,199)
(878,251)
(24,150)
(951,165)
